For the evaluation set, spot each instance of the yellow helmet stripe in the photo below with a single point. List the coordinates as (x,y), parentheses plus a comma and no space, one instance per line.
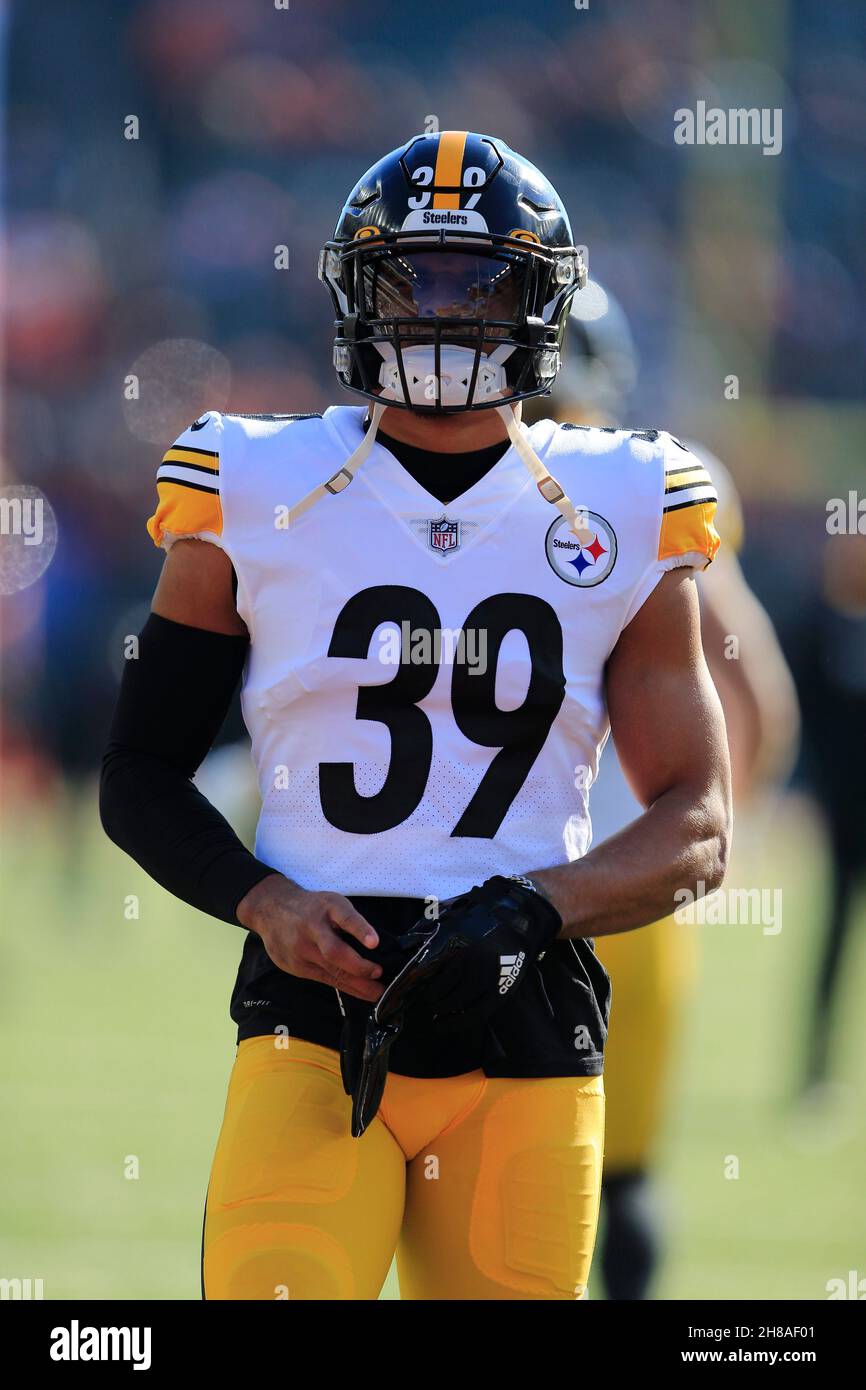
(449,167)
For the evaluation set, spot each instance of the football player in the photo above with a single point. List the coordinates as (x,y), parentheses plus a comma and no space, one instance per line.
(650,970)
(437,614)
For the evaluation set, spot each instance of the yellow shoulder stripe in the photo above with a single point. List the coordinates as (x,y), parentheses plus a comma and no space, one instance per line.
(196,458)
(689,474)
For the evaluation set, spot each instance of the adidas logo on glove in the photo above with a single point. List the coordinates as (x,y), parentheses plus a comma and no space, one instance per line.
(509,969)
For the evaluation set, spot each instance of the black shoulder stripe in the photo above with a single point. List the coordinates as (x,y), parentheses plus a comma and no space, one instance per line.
(188,449)
(194,467)
(694,482)
(650,435)
(246,415)
(695,502)
(194,487)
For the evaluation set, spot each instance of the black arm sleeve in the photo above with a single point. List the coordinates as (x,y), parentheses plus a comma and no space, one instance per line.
(173,700)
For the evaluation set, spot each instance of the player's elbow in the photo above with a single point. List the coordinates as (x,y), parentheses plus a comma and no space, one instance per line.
(715,841)
(108,799)
(117,784)
(716,853)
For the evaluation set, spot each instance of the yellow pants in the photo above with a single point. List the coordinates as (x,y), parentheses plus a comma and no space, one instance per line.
(486,1188)
(651,971)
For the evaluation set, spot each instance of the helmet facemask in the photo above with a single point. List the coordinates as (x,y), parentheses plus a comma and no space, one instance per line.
(439,323)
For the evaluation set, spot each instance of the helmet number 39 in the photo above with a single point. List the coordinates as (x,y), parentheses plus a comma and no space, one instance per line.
(473,178)
(422,177)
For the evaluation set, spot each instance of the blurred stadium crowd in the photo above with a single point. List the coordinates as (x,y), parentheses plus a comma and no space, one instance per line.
(160,152)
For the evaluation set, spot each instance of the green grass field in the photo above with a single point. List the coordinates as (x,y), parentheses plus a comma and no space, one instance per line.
(116,1048)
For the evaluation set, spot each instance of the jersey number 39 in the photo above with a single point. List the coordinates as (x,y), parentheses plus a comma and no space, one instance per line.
(518,734)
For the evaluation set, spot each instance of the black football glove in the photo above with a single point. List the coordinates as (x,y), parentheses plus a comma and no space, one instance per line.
(366,1043)
(453,970)
(469,960)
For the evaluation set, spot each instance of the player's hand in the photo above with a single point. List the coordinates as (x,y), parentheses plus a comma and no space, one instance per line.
(301,932)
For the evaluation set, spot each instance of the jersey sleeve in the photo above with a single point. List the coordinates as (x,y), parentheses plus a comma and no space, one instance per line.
(688,534)
(188,486)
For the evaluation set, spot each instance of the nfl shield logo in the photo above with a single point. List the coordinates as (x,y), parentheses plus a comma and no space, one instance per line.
(444,534)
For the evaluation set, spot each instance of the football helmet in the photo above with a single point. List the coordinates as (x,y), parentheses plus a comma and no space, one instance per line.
(451,271)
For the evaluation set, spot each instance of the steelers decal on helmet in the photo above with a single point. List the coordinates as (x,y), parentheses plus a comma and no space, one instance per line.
(586,560)
(444,193)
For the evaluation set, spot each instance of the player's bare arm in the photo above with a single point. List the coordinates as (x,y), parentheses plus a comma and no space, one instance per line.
(669,729)
(195,588)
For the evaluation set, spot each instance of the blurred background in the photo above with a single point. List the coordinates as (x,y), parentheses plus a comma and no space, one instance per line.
(155,156)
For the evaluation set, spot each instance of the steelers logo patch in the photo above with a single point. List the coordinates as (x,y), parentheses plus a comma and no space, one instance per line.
(586,560)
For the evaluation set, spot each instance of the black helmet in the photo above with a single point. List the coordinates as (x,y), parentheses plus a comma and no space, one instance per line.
(452,269)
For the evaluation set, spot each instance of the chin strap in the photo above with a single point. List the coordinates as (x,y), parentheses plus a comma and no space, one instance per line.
(547,485)
(344,475)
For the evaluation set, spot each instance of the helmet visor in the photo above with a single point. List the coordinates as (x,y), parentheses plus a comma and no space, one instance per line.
(443,285)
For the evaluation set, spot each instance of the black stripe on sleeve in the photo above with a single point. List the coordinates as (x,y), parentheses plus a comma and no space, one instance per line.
(697,502)
(196,467)
(694,482)
(188,449)
(182,482)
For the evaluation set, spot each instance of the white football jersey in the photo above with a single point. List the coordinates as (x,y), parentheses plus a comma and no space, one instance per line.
(614,804)
(424,689)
